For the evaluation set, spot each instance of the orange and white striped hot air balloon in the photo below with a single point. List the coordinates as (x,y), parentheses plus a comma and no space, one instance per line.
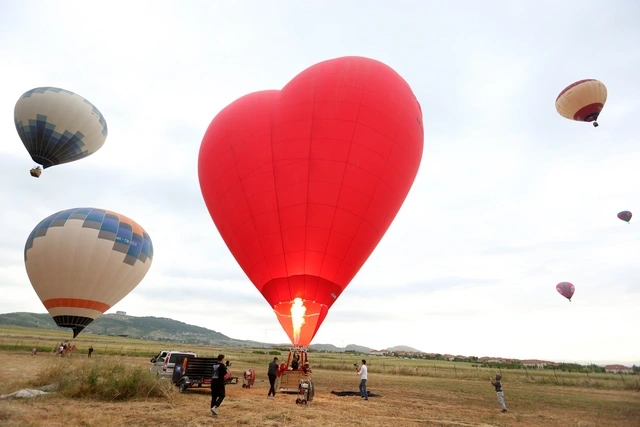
(82,261)
(582,101)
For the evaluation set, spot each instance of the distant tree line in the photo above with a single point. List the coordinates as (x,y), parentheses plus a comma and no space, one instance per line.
(510,364)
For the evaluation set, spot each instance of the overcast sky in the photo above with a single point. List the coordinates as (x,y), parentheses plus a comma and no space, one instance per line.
(510,198)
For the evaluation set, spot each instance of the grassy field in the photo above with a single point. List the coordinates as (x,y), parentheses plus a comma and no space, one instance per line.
(412,392)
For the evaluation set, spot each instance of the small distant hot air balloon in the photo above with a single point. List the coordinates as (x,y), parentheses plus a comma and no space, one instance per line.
(625,216)
(82,261)
(58,126)
(582,101)
(566,289)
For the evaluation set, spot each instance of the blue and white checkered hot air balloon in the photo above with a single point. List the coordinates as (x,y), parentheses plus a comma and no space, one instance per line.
(58,126)
(83,261)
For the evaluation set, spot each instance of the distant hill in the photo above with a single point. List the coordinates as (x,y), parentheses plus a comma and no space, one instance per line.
(333,348)
(350,347)
(163,329)
(28,320)
(359,348)
(326,347)
(149,328)
(404,348)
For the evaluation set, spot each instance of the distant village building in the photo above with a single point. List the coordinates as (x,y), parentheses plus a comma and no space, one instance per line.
(618,369)
(534,363)
(122,313)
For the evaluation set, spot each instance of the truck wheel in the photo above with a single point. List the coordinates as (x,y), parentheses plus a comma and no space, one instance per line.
(182,388)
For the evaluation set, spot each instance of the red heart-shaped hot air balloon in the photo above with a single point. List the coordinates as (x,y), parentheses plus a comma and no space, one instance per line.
(303,183)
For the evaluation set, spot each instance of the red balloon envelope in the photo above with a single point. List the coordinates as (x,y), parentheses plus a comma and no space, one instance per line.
(625,216)
(303,183)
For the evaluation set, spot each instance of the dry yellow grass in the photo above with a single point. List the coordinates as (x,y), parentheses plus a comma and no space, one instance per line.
(405,401)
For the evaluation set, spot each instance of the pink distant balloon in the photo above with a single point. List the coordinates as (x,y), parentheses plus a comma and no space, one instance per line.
(566,289)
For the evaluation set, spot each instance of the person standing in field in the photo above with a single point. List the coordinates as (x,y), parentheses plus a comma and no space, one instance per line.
(217,384)
(90,351)
(362,371)
(295,363)
(273,374)
(498,385)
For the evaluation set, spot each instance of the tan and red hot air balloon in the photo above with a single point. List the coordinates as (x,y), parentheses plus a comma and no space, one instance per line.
(582,101)
(82,261)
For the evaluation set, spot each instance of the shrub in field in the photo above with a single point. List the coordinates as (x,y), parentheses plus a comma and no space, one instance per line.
(102,379)
(633,385)
(336,366)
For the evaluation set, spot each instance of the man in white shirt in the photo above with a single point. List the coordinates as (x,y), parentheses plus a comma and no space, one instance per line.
(362,371)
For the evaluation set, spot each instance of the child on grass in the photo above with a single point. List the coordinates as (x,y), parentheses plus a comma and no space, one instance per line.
(498,385)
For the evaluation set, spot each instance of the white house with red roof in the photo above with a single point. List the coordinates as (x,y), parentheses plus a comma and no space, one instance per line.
(618,369)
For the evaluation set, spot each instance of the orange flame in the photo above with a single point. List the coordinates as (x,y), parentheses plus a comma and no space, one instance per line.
(297,318)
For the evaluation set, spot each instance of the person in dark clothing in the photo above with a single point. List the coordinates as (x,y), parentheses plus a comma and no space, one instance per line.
(498,385)
(295,362)
(217,384)
(273,374)
(90,351)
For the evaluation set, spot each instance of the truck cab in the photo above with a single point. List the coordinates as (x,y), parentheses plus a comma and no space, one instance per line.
(165,361)
(160,356)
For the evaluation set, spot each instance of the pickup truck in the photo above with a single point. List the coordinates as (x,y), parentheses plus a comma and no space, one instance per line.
(196,371)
